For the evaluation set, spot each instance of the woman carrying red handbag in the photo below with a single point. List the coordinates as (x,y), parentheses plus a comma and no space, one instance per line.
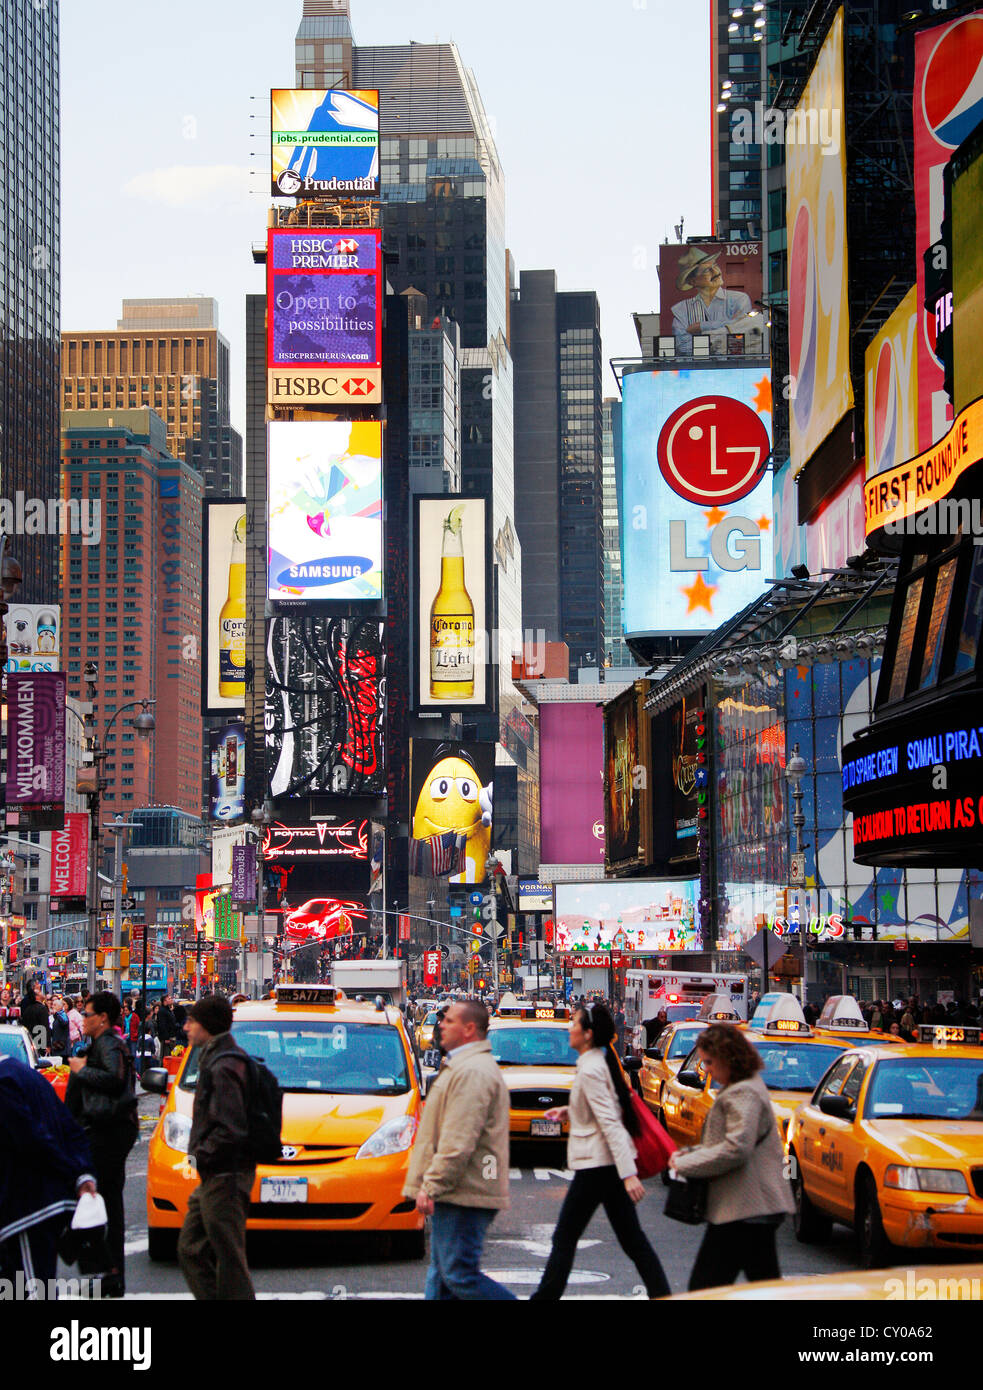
(602,1156)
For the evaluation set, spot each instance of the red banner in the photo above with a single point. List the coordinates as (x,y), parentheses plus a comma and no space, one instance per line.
(404,926)
(70,857)
(431,967)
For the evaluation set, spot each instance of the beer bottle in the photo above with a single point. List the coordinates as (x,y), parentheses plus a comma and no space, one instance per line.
(452,620)
(232,623)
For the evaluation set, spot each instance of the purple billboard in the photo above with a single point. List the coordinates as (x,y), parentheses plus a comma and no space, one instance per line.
(571,777)
(36,749)
(243,873)
(324,291)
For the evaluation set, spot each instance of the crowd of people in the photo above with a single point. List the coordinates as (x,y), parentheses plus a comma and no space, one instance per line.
(54,1022)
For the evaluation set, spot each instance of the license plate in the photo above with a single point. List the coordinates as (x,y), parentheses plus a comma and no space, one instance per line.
(546,1129)
(283,1190)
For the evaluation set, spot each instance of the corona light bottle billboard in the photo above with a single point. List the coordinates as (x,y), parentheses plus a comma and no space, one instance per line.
(232,622)
(452,621)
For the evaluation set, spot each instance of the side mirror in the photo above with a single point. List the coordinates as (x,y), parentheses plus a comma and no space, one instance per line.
(839,1107)
(692,1079)
(632,1063)
(155,1079)
(652,1053)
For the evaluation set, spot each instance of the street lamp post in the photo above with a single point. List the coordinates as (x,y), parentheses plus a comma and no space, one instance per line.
(144,725)
(491,868)
(261,817)
(795,771)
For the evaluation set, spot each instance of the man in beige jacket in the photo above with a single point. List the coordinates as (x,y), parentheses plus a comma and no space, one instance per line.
(459,1171)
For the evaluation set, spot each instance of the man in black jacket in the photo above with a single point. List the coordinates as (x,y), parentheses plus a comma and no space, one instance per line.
(101,1095)
(34,1017)
(212,1244)
(166,1027)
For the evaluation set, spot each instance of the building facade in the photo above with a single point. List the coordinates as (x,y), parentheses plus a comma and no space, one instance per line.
(30,261)
(167,355)
(132,603)
(616,653)
(556,342)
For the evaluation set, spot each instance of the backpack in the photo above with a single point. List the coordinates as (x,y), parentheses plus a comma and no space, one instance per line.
(265,1112)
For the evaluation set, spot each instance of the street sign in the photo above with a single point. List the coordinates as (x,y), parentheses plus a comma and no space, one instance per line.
(493,930)
(475,899)
(797,870)
(128,904)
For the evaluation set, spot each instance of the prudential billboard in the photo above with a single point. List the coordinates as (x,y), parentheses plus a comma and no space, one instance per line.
(696,516)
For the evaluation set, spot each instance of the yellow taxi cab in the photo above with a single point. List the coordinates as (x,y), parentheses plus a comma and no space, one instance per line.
(425,1030)
(942,1283)
(675,1043)
(352,1095)
(891,1143)
(530,1041)
(794,1058)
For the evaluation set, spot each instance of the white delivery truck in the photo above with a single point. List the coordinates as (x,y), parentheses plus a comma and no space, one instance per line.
(370,978)
(680,992)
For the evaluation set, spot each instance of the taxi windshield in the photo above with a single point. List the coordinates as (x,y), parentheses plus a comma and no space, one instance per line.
(795,1066)
(945,1088)
(12,1045)
(531,1047)
(682,1042)
(430,1019)
(317,1055)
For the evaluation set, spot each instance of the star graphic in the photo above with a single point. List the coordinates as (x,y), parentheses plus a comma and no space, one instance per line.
(765,523)
(714,516)
(700,595)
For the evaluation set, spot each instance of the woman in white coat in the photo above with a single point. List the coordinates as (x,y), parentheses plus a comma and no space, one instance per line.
(601,1154)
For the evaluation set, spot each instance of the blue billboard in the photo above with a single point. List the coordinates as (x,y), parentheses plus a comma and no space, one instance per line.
(696,519)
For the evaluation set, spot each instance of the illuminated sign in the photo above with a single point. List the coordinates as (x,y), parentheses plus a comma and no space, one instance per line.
(891,497)
(629,915)
(320,841)
(697,496)
(535,897)
(223,606)
(913,789)
(325,143)
(33,640)
(325,511)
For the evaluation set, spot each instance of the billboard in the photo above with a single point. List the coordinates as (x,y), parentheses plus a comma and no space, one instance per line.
(571,764)
(227,760)
(225,838)
(33,637)
(324,317)
(712,288)
(947,106)
(453,555)
(325,706)
(630,914)
(324,524)
(320,841)
(689,768)
(69,860)
(35,786)
(451,790)
(325,143)
(627,802)
(818,312)
(891,390)
(223,606)
(535,896)
(967,285)
(697,496)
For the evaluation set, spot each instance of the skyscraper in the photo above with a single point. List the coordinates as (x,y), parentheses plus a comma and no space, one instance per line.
(556,341)
(132,601)
(30,258)
(167,354)
(737,61)
(616,653)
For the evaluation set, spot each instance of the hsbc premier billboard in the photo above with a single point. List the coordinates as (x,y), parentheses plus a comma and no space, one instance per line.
(697,496)
(324,321)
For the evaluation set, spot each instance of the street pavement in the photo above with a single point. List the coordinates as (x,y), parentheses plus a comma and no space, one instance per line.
(299,1266)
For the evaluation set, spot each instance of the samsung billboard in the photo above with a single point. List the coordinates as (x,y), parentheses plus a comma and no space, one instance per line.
(697,497)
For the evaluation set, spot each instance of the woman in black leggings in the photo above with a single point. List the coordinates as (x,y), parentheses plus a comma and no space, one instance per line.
(602,1157)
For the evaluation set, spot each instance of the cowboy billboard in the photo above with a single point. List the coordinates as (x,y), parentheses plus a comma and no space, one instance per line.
(712,288)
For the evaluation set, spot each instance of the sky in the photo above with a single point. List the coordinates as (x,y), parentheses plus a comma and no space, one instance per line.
(600,112)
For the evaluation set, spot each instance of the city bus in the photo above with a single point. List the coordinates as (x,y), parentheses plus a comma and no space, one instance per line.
(160,981)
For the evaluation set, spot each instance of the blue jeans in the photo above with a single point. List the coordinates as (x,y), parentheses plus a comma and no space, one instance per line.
(457,1235)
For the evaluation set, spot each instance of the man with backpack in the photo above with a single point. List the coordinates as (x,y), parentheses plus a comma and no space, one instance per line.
(212,1244)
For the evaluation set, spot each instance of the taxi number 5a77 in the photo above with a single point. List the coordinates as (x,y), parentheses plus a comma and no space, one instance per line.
(283,1190)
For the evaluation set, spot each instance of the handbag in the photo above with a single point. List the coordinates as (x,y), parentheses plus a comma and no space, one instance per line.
(653,1144)
(686,1200)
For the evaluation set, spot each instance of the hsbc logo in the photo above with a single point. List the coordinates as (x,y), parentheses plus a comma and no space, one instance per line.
(318,385)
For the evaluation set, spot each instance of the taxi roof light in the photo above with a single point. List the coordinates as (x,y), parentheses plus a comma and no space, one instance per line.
(310,995)
(949,1034)
(841,1012)
(717,1008)
(780,1014)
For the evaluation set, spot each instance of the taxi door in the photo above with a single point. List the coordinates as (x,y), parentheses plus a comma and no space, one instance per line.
(654,1070)
(685,1107)
(829,1157)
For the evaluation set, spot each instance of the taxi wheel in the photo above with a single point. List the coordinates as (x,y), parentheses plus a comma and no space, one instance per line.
(811,1226)
(875,1248)
(161,1244)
